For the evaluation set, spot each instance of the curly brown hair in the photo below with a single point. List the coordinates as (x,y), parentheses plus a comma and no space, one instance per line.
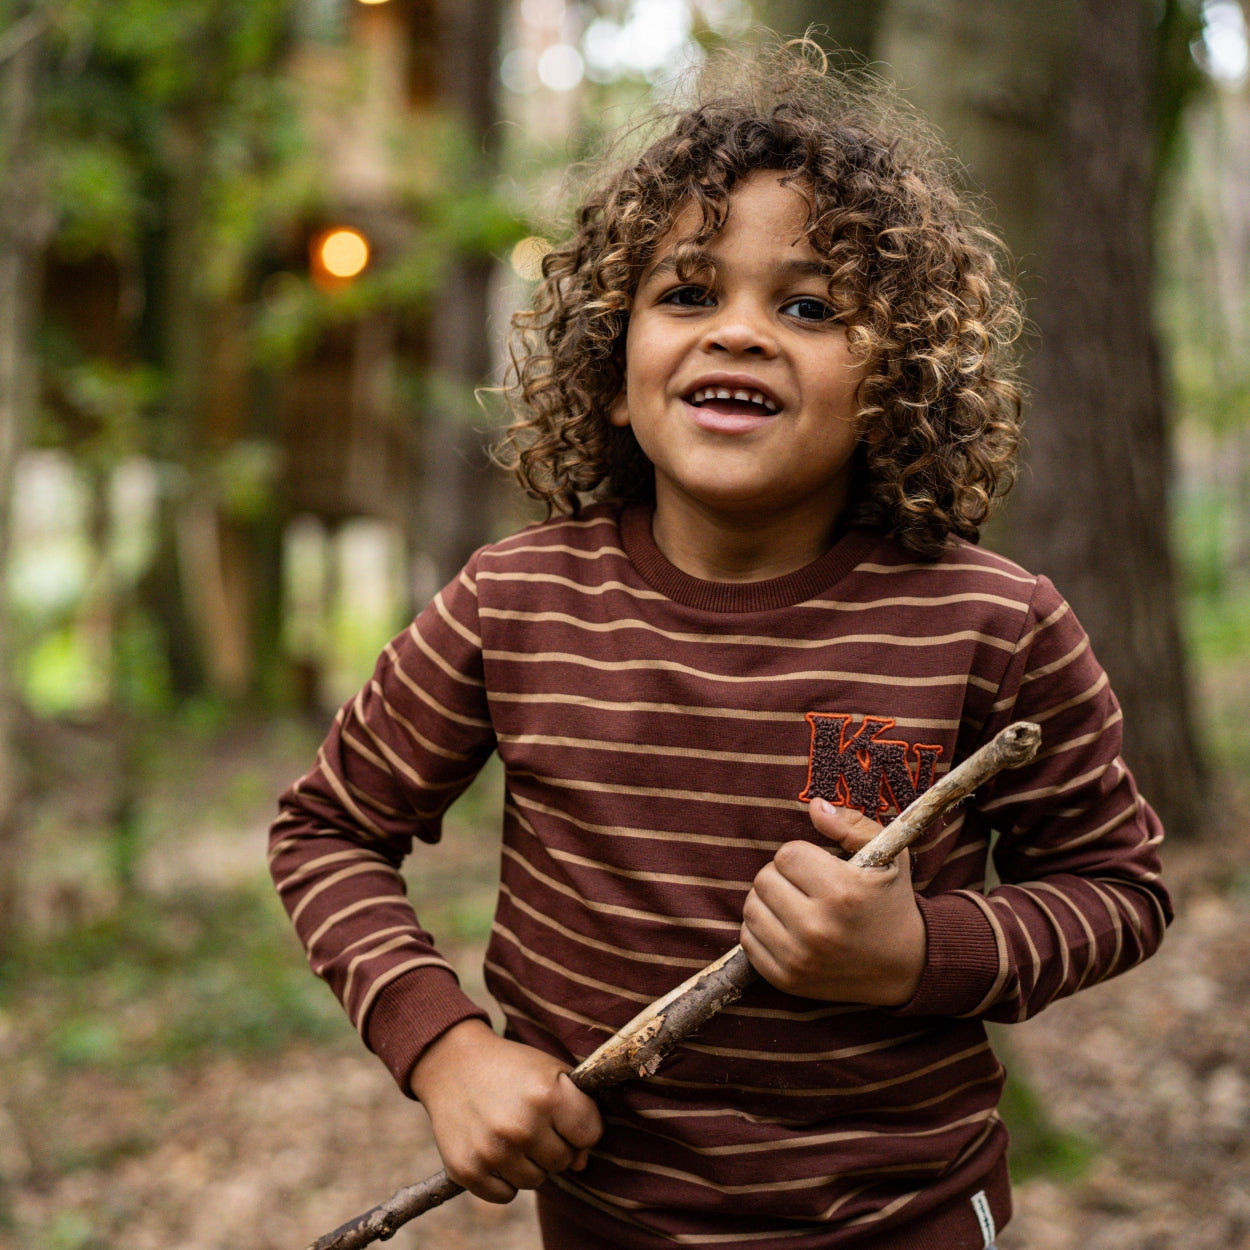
(920,285)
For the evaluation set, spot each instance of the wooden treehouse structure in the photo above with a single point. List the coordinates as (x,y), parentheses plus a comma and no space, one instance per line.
(346,432)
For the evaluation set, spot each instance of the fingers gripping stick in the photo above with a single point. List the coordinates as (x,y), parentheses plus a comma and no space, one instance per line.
(638,1049)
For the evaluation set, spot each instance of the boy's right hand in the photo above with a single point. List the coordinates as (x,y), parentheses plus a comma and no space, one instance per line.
(504,1114)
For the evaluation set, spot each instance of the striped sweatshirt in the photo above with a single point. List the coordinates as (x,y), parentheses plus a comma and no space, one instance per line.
(661,737)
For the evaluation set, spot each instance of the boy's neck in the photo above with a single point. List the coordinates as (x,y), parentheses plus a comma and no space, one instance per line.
(719,547)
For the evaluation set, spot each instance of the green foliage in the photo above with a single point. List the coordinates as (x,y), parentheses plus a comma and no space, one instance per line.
(97,188)
(1215,581)
(133,75)
(173,147)
(1178,26)
(1204,276)
(1218,626)
(105,410)
(244,477)
(144,686)
(1198,531)
(174,49)
(1211,535)
(60,677)
(63,674)
(70,1230)
(1038,1147)
(143,94)
(456,219)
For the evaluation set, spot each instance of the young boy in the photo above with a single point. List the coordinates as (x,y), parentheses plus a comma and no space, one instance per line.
(764,387)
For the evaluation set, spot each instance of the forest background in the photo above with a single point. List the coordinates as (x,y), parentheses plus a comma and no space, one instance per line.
(256,256)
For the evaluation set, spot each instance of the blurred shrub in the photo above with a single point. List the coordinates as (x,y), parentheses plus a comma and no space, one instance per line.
(169,980)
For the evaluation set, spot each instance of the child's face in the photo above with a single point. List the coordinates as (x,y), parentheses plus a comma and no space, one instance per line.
(739,385)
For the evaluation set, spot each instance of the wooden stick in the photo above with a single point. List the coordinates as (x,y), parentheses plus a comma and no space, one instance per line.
(638,1049)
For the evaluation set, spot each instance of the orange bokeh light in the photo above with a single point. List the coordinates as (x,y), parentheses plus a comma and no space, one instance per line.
(340,253)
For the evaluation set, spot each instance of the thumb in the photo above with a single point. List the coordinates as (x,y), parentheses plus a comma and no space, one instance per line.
(849,828)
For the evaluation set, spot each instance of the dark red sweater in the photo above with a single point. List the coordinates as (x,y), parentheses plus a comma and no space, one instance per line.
(660,737)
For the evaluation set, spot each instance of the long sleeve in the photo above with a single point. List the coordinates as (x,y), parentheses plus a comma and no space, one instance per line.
(396,757)
(1080,897)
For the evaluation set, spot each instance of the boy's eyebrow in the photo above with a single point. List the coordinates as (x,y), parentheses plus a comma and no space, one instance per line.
(798,267)
(808,268)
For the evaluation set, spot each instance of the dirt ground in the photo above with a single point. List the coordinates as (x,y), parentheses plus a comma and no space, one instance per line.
(1154,1069)
(269,1151)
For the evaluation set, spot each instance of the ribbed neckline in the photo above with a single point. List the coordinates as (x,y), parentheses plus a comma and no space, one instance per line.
(776,592)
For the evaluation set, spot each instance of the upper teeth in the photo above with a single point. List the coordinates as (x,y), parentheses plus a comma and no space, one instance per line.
(723,392)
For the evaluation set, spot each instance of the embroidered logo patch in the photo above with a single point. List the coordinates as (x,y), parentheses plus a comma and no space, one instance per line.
(862,769)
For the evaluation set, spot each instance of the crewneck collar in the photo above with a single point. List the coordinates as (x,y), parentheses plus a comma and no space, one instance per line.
(775,592)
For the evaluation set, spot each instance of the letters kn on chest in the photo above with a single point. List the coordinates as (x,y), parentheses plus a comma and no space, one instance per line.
(863,769)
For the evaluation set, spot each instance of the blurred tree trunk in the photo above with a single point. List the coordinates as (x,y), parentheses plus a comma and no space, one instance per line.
(201,584)
(181,338)
(211,581)
(22,225)
(459,483)
(1099,431)
(1054,106)
(993,76)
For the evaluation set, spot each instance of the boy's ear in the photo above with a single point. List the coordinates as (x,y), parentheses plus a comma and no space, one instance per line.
(618,410)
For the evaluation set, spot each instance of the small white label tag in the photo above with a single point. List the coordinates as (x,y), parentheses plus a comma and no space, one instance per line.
(985,1218)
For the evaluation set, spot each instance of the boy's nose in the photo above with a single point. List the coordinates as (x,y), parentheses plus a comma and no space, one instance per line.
(740,330)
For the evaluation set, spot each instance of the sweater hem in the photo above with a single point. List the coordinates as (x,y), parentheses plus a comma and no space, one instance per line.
(968,1220)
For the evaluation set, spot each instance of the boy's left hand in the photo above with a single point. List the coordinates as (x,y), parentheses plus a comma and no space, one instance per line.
(815,926)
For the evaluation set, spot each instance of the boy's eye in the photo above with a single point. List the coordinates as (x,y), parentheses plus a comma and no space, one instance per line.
(689,296)
(808,308)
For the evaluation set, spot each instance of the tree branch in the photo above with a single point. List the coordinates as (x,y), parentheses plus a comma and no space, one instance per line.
(638,1049)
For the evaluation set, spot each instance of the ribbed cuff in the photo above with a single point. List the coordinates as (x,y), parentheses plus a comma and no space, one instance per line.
(413,1012)
(963,964)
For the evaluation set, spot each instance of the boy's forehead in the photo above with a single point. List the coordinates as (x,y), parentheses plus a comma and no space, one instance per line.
(767,204)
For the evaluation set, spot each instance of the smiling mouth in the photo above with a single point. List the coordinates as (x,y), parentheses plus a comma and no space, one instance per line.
(732,401)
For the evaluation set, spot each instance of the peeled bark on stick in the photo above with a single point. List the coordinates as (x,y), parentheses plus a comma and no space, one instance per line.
(638,1049)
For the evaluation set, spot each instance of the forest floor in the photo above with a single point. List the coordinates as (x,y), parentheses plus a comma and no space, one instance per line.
(172,1078)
